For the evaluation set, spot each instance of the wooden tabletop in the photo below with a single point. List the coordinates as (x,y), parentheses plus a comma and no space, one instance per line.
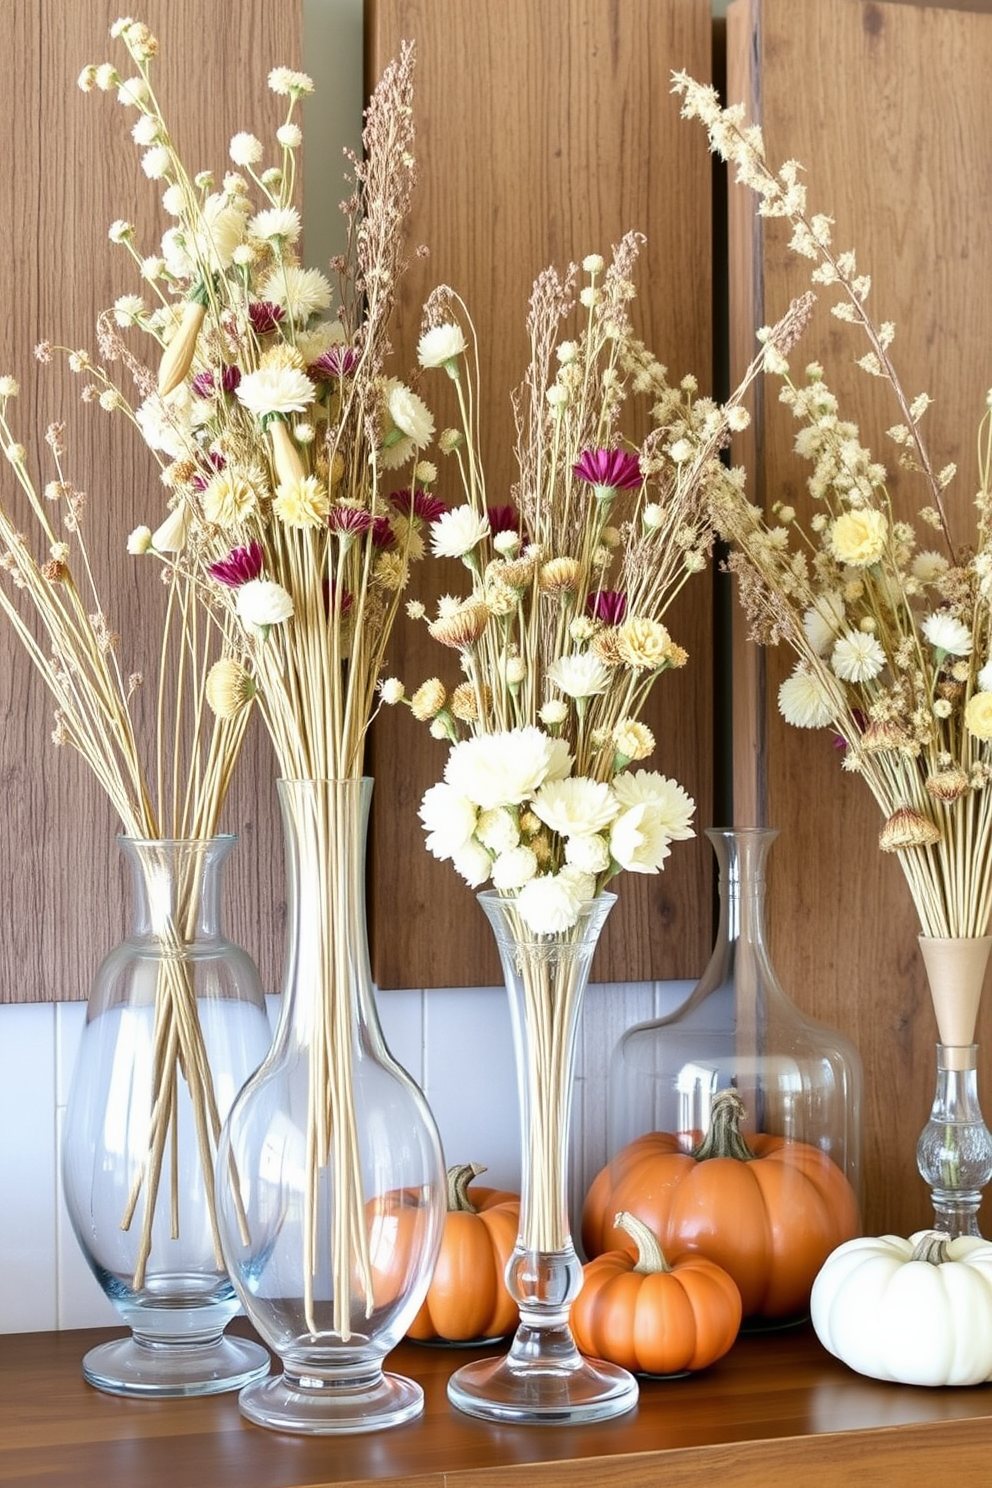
(776,1411)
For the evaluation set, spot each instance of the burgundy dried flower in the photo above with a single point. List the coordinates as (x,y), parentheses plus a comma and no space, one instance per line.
(203,383)
(504,519)
(264,316)
(383,536)
(336,362)
(609,470)
(336,601)
(608,605)
(239,567)
(349,519)
(201,482)
(419,504)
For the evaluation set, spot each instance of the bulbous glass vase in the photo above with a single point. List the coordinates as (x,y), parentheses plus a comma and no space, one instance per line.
(175,1024)
(791,1078)
(331,1184)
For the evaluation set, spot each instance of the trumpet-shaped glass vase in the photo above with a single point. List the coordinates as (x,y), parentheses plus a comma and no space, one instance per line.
(544,1378)
(331,1188)
(175,1024)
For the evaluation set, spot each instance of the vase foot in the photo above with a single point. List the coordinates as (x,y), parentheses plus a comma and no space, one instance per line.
(286,1403)
(499,1390)
(132,1366)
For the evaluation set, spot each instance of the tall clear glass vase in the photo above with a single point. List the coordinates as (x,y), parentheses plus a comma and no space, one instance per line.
(331,1187)
(544,1378)
(175,1024)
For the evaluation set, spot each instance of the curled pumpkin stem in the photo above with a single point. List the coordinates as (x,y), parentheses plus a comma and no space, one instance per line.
(650,1256)
(932,1247)
(459,1178)
(725,1138)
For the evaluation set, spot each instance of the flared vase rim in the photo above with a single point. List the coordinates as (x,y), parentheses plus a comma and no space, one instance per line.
(214,839)
(493,896)
(750,831)
(294,780)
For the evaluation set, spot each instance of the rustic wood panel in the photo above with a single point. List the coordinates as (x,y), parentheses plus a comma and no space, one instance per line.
(892,121)
(70,170)
(545,132)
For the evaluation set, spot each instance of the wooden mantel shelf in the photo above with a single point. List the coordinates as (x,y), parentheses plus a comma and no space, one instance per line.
(776,1411)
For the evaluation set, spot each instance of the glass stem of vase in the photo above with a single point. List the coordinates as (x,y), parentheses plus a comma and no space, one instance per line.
(954,1153)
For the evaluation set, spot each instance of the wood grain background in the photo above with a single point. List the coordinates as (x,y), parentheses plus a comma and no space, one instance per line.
(544,133)
(892,123)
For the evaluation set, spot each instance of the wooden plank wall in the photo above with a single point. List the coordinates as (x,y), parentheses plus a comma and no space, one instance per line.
(544,132)
(71,169)
(888,108)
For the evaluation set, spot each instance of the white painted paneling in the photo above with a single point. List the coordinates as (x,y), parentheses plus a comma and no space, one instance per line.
(27,1168)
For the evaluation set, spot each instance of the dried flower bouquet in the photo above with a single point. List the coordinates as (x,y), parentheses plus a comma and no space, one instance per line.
(293,461)
(890,619)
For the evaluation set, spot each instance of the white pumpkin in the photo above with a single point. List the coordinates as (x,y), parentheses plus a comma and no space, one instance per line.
(917,1311)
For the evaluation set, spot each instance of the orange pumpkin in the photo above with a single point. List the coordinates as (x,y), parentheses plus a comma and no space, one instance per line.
(467,1297)
(769,1211)
(651,1316)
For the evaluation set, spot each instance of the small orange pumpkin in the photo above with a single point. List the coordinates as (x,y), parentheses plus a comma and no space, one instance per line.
(467,1297)
(651,1316)
(768,1210)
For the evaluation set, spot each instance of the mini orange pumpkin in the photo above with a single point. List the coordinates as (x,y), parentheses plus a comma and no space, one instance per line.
(651,1316)
(767,1210)
(467,1297)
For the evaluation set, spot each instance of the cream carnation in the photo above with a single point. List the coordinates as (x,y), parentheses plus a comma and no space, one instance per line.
(502,769)
(549,905)
(440,345)
(804,701)
(302,503)
(497,829)
(409,413)
(275,390)
(580,675)
(228,499)
(948,634)
(588,852)
(449,820)
(577,805)
(978,715)
(302,293)
(857,656)
(513,868)
(672,805)
(639,841)
(859,537)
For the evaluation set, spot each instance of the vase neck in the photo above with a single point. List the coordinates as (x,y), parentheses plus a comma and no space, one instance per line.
(741,856)
(325,826)
(176,886)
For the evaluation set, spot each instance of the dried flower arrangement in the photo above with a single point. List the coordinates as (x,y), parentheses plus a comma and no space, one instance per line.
(890,620)
(293,462)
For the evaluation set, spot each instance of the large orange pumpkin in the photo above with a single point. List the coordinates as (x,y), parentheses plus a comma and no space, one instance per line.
(768,1210)
(467,1297)
(651,1316)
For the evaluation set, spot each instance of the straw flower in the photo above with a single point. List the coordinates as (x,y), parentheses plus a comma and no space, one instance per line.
(262,602)
(229,687)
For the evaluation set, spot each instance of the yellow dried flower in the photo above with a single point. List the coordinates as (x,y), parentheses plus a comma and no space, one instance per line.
(462,627)
(978,715)
(302,503)
(229,687)
(282,355)
(465,702)
(390,572)
(633,740)
(428,700)
(643,644)
(560,576)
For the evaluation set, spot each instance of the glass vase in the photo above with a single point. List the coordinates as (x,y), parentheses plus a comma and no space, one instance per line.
(331,1187)
(544,1378)
(176,1022)
(954,1152)
(796,1081)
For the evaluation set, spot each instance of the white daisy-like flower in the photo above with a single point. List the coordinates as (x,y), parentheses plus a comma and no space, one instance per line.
(440,345)
(823,620)
(458,532)
(553,713)
(804,701)
(410,414)
(576,806)
(392,691)
(275,390)
(448,819)
(579,675)
(506,768)
(302,293)
(276,224)
(128,309)
(289,83)
(589,852)
(639,841)
(139,541)
(857,656)
(513,868)
(947,633)
(245,149)
(497,829)
(928,566)
(549,904)
(983,680)
(262,602)
(673,805)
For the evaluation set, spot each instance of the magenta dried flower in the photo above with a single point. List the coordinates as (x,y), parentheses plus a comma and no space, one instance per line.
(607,605)
(349,519)
(419,504)
(383,536)
(264,316)
(239,567)
(609,470)
(335,362)
(204,383)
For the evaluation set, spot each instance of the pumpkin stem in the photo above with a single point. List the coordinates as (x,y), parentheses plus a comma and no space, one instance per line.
(650,1256)
(932,1247)
(459,1178)
(725,1138)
